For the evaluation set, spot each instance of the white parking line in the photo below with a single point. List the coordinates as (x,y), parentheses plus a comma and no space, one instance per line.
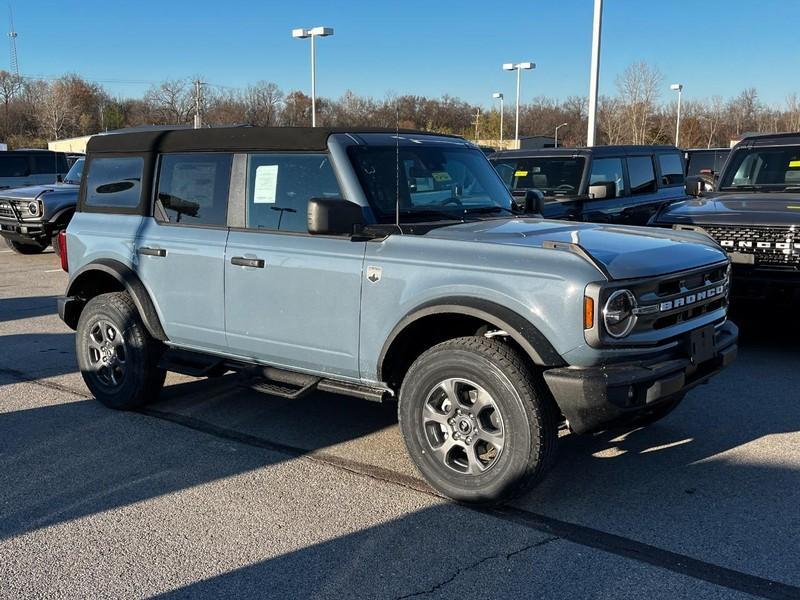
(54,271)
(5,250)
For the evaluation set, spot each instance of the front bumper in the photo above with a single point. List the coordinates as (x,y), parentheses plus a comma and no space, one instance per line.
(594,398)
(23,230)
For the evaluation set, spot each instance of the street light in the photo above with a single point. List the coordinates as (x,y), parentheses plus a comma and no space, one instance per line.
(313,33)
(499,96)
(518,67)
(678,87)
(555,145)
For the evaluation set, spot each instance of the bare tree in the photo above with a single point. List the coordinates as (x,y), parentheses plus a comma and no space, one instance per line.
(639,87)
(264,101)
(171,102)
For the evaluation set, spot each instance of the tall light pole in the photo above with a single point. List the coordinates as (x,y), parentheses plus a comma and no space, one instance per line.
(313,33)
(678,87)
(518,67)
(594,73)
(555,145)
(499,96)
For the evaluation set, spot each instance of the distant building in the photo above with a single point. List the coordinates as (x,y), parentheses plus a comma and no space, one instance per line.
(535,142)
(77,144)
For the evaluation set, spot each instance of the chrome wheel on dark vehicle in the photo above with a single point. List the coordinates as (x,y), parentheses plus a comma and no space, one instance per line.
(477,421)
(463,426)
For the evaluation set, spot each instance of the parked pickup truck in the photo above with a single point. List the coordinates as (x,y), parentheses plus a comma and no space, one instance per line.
(391,266)
(30,217)
(753,213)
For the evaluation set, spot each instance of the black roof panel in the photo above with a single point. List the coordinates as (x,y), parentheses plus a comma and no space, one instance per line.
(226,139)
(621,150)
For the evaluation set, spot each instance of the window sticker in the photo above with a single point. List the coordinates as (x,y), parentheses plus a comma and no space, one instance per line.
(442,176)
(794,163)
(520,174)
(266,184)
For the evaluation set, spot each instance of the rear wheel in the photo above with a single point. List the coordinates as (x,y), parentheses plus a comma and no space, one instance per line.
(31,247)
(478,425)
(117,356)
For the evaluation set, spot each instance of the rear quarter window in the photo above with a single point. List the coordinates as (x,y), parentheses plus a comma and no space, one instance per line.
(671,169)
(14,166)
(114,182)
(46,164)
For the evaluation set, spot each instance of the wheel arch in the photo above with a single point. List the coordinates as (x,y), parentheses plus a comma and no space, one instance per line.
(107,275)
(459,312)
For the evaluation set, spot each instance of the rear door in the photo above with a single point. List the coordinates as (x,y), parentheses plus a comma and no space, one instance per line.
(292,299)
(15,170)
(180,251)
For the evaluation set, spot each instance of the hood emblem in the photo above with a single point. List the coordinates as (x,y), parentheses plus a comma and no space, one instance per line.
(374,274)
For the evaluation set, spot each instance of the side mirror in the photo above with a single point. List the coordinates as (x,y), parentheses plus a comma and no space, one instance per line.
(59,178)
(603,190)
(334,216)
(534,202)
(694,186)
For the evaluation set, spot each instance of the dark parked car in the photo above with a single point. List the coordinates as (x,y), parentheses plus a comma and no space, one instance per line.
(753,213)
(603,184)
(20,168)
(705,163)
(31,216)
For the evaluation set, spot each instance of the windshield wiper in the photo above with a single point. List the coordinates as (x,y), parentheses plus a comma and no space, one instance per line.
(488,209)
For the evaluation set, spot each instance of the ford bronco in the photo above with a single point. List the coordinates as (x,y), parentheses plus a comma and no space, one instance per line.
(387,265)
(753,212)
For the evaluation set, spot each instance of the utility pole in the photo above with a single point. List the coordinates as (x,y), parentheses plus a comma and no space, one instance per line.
(198,103)
(477,121)
(594,75)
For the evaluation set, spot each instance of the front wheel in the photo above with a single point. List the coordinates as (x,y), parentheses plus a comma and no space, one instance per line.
(31,247)
(477,423)
(117,356)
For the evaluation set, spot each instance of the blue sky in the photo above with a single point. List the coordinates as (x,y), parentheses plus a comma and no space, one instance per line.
(428,47)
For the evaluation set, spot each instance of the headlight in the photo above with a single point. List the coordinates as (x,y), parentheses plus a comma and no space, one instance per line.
(618,315)
(33,208)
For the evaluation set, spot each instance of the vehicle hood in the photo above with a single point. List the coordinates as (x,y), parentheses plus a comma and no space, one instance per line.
(774,209)
(35,191)
(623,252)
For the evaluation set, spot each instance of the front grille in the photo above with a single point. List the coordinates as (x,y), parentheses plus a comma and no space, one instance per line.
(681,297)
(768,245)
(6,210)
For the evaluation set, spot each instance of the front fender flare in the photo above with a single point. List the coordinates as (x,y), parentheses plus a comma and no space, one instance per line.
(130,281)
(521,330)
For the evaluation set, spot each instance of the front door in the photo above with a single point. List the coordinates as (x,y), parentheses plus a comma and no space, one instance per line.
(180,252)
(292,299)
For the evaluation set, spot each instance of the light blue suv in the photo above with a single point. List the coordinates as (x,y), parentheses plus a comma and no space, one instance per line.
(384,265)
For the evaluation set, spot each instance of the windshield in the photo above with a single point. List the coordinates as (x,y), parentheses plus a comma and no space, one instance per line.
(74,175)
(552,175)
(768,169)
(428,182)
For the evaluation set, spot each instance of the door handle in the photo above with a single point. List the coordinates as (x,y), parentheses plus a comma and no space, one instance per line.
(144,250)
(242,261)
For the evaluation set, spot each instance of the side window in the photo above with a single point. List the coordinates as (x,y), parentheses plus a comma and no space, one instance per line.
(279,187)
(14,166)
(608,170)
(114,182)
(193,188)
(45,164)
(641,175)
(671,169)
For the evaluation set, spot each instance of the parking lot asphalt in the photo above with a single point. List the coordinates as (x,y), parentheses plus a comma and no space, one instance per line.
(217,491)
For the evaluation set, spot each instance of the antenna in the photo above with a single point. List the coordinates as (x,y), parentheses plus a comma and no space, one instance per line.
(12,38)
(397,166)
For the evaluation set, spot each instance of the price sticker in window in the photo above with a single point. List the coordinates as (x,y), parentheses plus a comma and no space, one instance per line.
(793,164)
(442,176)
(520,173)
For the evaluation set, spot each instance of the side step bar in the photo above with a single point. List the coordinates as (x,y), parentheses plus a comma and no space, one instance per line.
(267,380)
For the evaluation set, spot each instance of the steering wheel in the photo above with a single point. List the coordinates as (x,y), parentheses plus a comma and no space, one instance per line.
(565,186)
(455,201)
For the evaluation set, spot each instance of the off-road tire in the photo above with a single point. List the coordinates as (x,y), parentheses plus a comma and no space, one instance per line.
(31,247)
(529,418)
(141,379)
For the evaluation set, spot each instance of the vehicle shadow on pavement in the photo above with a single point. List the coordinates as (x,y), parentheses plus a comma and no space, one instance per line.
(64,461)
(12,309)
(36,356)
